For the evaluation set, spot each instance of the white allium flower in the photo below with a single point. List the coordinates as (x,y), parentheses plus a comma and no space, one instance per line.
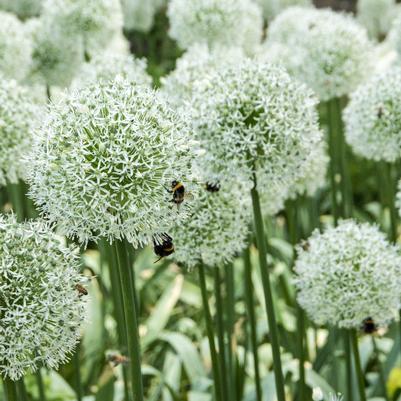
(195,65)
(15,47)
(376,16)
(373,117)
(216,22)
(254,117)
(218,227)
(105,162)
(40,310)
(271,8)
(17,121)
(347,274)
(317,394)
(95,20)
(329,51)
(106,66)
(139,14)
(57,54)
(23,8)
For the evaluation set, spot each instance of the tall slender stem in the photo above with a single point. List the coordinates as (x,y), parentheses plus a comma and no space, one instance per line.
(10,390)
(41,387)
(380,368)
(250,309)
(265,275)
(210,335)
(77,373)
(348,365)
(131,318)
(358,367)
(221,332)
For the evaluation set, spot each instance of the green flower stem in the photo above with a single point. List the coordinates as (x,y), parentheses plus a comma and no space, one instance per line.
(131,318)
(292,223)
(348,365)
(41,387)
(250,309)
(10,390)
(273,331)
(17,200)
(380,367)
(230,321)
(118,306)
(210,335)
(358,367)
(221,332)
(76,361)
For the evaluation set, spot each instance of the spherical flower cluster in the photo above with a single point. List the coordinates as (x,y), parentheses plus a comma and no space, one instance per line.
(17,121)
(376,16)
(195,65)
(56,55)
(217,229)
(108,65)
(373,117)
(95,20)
(23,8)
(329,51)
(252,117)
(40,308)
(271,8)
(347,274)
(139,15)
(15,47)
(216,22)
(105,161)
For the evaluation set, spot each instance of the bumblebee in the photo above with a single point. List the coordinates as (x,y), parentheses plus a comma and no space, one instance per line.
(368,326)
(81,290)
(117,359)
(165,248)
(212,187)
(178,191)
(305,245)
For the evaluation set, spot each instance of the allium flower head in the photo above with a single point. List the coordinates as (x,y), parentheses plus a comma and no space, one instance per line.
(106,66)
(376,16)
(15,47)
(105,162)
(253,117)
(373,117)
(330,52)
(271,8)
(57,55)
(347,274)
(216,22)
(95,20)
(217,229)
(17,121)
(23,8)
(195,65)
(40,310)
(138,14)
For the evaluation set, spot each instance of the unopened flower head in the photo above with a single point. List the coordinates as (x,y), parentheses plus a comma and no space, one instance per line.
(347,274)
(195,65)
(217,230)
(376,16)
(15,47)
(41,310)
(105,162)
(271,8)
(95,20)
(17,122)
(57,55)
(216,22)
(373,117)
(106,66)
(23,8)
(330,51)
(253,117)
